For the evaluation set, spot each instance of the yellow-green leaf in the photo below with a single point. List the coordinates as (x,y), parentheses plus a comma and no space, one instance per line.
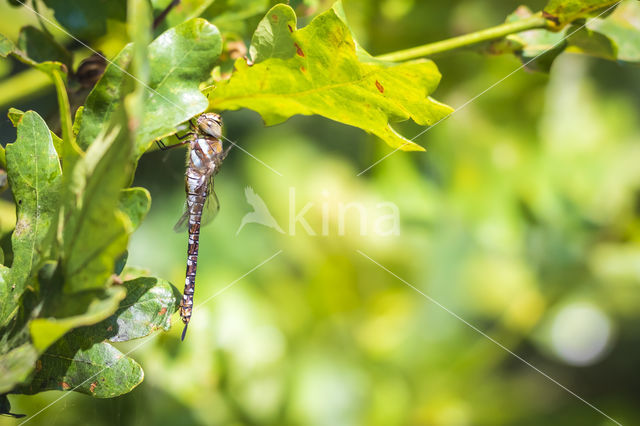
(563,12)
(316,70)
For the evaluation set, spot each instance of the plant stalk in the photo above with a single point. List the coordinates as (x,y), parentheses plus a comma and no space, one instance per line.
(536,21)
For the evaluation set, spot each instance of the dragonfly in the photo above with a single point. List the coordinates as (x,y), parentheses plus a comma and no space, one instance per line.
(205,157)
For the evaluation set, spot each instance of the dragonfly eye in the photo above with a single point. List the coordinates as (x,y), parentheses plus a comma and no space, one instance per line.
(210,124)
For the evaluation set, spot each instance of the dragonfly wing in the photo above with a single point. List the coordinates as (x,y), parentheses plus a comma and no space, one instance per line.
(182,224)
(211,208)
(209,212)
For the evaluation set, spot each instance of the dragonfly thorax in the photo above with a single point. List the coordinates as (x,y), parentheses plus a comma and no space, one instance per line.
(204,154)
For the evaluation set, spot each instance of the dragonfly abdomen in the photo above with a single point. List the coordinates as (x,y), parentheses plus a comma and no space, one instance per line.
(195,204)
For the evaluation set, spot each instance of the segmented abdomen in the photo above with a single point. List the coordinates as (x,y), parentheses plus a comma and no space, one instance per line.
(195,203)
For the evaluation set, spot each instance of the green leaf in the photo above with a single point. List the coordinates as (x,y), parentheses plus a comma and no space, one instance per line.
(230,16)
(98,305)
(545,46)
(103,100)
(17,355)
(5,295)
(135,203)
(180,59)
(96,232)
(591,43)
(8,48)
(58,74)
(121,262)
(34,175)
(323,75)
(87,20)
(99,370)
(15,115)
(41,47)
(15,365)
(272,37)
(5,407)
(623,28)
(563,12)
(139,25)
(148,307)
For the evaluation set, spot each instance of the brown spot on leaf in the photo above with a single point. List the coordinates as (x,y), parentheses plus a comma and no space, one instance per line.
(303,69)
(163,311)
(380,87)
(290,29)
(274,17)
(298,50)
(23,226)
(38,365)
(65,385)
(93,386)
(110,328)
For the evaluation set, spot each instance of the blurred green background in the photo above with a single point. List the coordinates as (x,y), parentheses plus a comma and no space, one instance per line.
(520,219)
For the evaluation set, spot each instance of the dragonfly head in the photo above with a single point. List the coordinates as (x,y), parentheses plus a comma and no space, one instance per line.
(211,124)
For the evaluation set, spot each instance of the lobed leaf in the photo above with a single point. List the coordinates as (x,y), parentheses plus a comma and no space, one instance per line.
(316,70)
(563,12)
(179,59)
(80,361)
(149,304)
(99,369)
(34,174)
(15,115)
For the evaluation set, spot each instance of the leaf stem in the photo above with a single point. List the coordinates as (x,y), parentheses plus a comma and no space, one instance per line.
(69,147)
(499,31)
(63,104)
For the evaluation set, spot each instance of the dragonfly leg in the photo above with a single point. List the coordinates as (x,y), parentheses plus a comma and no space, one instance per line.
(186,135)
(226,152)
(161,145)
(164,147)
